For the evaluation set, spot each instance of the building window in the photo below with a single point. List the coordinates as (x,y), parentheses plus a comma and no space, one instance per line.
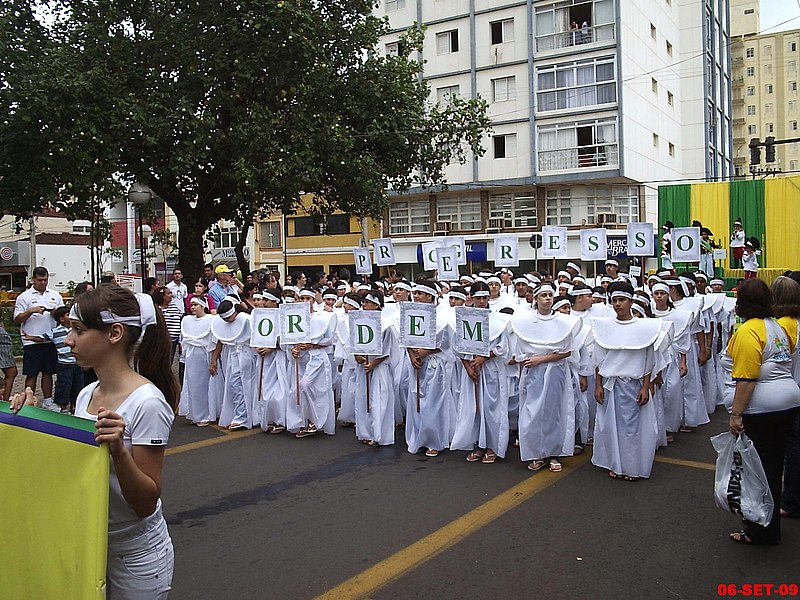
(502,31)
(750,52)
(672,149)
(393,49)
(503,89)
(751,90)
(768,108)
(269,234)
(768,88)
(227,237)
(653,31)
(447,42)
(669,48)
(792,66)
(575,84)
(311,225)
(577,145)
(768,70)
(751,71)
(443,94)
(655,140)
(581,204)
(749,11)
(768,50)
(792,105)
(792,86)
(557,204)
(751,110)
(392,5)
(463,214)
(793,125)
(516,210)
(505,146)
(670,98)
(792,46)
(752,130)
(770,128)
(564,24)
(793,165)
(654,85)
(409,217)
(337,224)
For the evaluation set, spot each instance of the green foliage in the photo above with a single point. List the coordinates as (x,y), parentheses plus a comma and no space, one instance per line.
(238,106)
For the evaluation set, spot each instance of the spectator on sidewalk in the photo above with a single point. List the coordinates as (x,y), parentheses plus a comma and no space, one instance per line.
(7,363)
(179,290)
(227,283)
(32,311)
(69,376)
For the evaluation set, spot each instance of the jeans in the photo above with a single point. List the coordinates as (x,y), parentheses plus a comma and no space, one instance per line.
(69,383)
(790,501)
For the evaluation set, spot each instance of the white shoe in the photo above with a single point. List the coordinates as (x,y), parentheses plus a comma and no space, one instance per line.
(50,405)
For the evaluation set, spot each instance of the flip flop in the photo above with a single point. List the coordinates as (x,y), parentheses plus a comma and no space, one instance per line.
(489,458)
(555,466)
(740,537)
(536,465)
(474,456)
(431,452)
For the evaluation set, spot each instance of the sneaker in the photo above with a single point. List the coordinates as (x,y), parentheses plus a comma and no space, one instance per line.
(48,404)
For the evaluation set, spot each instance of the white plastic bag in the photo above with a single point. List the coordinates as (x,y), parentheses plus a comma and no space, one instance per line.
(740,484)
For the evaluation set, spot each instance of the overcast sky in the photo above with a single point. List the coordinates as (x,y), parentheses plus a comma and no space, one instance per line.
(778,11)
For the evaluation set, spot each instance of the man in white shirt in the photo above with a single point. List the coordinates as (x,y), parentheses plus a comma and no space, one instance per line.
(32,310)
(179,290)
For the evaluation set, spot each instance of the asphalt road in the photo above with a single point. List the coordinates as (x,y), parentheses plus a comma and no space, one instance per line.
(254,515)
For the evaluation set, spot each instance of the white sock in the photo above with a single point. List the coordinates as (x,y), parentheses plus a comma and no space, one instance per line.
(47,401)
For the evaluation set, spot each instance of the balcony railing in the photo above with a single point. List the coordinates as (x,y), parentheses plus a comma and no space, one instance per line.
(600,155)
(576,37)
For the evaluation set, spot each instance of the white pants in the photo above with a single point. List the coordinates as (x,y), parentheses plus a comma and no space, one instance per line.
(140,561)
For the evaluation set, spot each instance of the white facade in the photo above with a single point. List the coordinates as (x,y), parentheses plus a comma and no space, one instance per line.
(594,104)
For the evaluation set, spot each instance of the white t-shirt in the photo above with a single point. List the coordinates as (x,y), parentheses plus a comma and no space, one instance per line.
(37,324)
(179,294)
(148,422)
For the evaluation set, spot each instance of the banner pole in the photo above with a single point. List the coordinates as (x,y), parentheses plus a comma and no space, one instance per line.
(367,374)
(297,377)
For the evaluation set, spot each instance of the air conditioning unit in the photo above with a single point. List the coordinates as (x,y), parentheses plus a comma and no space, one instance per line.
(441,228)
(606,218)
(497,223)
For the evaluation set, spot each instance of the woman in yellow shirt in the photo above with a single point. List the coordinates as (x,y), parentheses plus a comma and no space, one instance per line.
(761,394)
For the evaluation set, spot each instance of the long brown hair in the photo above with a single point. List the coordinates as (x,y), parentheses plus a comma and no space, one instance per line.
(151,357)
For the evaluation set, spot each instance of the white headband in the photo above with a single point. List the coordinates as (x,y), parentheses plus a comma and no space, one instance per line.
(621,294)
(638,309)
(402,285)
(560,303)
(660,287)
(351,302)
(227,313)
(426,290)
(582,292)
(519,280)
(199,301)
(545,287)
(716,282)
(267,295)
(307,294)
(145,318)
(564,274)
(372,298)
(466,278)
(329,293)
(481,294)
(258,296)
(458,295)
(493,279)
(599,295)
(574,266)
(612,262)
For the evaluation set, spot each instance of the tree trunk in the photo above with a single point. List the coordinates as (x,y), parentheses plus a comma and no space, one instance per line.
(191,254)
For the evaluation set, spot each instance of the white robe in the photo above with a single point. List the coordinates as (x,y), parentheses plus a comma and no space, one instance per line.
(197,403)
(428,419)
(347,380)
(486,426)
(626,434)
(235,360)
(546,399)
(273,394)
(377,424)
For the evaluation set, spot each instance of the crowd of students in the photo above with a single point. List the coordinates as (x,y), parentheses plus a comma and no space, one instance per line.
(624,367)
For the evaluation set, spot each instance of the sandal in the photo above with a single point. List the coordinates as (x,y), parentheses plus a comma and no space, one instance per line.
(474,456)
(237,427)
(308,431)
(630,478)
(278,429)
(555,466)
(431,452)
(372,444)
(740,537)
(202,424)
(489,457)
(590,441)
(670,438)
(614,475)
(684,429)
(577,450)
(536,465)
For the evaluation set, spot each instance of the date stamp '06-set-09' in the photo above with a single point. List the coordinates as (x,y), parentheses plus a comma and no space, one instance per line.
(784,590)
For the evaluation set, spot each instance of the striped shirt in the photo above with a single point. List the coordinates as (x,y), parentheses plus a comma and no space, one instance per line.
(173,315)
(58,335)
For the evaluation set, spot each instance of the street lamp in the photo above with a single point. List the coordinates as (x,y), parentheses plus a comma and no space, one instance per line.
(139,195)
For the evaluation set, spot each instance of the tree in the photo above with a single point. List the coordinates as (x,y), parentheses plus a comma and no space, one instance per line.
(225,109)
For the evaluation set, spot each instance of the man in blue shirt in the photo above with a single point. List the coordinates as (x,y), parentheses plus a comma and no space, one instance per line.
(227,283)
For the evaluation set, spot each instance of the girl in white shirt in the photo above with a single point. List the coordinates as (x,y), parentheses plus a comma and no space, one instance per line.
(134,410)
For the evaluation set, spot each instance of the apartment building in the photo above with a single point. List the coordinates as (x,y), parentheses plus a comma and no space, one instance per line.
(593,103)
(764,88)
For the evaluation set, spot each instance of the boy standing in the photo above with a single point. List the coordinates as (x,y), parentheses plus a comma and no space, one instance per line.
(69,376)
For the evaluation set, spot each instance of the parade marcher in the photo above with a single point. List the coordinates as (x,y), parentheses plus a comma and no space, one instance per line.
(374,406)
(133,410)
(582,366)
(626,433)
(231,356)
(544,340)
(344,356)
(313,381)
(197,403)
(482,406)
(273,389)
(428,404)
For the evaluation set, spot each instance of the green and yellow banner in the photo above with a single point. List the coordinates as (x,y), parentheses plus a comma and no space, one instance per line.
(54,515)
(769,210)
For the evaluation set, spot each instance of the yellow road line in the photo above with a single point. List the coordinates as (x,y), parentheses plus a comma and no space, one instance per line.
(685,463)
(229,435)
(412,556)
